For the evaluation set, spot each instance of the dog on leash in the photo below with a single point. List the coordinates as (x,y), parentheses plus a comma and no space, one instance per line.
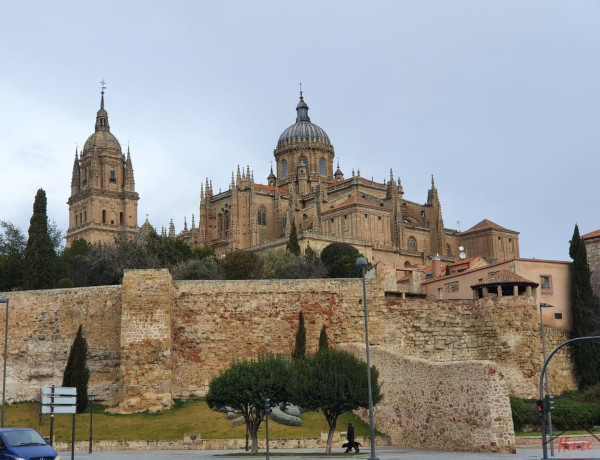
(349,446)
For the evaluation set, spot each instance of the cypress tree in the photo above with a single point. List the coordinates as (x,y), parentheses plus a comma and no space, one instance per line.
(40,258)
(77,373)
(300,345)
(293,245)
(323,341)
(586,354)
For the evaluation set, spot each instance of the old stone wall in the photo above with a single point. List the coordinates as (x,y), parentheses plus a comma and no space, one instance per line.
(41,329)
(433,406)
(153,339)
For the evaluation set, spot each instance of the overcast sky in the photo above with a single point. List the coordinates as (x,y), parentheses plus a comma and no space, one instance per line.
(499,101)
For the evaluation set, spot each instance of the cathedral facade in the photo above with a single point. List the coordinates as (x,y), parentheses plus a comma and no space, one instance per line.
(305,190)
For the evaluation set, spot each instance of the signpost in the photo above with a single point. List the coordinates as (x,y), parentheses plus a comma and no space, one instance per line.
(60,400)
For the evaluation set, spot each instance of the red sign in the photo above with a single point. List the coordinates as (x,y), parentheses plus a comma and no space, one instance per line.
(565,445)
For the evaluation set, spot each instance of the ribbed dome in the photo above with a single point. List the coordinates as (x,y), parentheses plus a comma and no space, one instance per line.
(101,140)
(303,130)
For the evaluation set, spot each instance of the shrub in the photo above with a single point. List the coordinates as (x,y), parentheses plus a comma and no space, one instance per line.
(65,283)
(524,413)
(567,414)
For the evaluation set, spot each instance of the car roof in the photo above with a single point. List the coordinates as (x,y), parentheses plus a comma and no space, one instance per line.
(2,430)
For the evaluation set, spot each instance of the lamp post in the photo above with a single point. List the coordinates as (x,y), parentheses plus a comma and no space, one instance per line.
(91,397)
(362,263)
(4,300)
(546,384)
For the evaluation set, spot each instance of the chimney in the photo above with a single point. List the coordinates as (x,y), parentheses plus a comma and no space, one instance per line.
(436,265)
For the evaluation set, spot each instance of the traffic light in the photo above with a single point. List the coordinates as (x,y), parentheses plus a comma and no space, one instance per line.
(549,403)
(268,409)
(540,406)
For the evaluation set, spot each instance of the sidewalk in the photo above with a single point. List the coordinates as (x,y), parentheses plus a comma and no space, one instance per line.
(383,453)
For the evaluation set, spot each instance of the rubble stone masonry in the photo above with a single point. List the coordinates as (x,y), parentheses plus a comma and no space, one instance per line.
(153,339)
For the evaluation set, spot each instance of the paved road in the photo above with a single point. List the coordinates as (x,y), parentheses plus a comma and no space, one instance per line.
(383,453)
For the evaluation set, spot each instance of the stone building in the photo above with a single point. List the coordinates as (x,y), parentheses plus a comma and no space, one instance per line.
(304,190)
(103,201)
(592,247)
(326,206)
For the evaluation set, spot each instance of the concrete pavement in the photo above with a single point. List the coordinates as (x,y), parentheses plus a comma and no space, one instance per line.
(383,453)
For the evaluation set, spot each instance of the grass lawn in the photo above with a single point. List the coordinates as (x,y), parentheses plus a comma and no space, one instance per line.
(184,417)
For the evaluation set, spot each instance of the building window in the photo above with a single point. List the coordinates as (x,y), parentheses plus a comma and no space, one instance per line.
(121,218)
(113,178)
(284,169)
(557,315)
(262,216)
(546,284)
(412,244)
(227,222)
(103,216)
(322,169)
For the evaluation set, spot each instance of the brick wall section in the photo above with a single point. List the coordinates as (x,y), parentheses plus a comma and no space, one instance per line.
(433,406)
(146,367)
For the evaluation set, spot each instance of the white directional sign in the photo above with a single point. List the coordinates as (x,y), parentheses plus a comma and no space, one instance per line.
(60,400)
(59,409)
(66,391)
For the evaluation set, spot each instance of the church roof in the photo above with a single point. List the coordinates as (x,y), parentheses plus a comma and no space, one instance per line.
(303,129)
(270,188)
(486,224)
(503,277)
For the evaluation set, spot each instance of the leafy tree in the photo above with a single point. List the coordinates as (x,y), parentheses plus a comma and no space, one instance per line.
(203,252)
(310,254)
(40,258)
(77,373)
(282,264)
(245,386)
(447,269)
(75,261)
(340,260)
(206,268)
(333,381)
(323,340)
(12,255)
(584,310)
(300,344)
(293,245)
(241,265)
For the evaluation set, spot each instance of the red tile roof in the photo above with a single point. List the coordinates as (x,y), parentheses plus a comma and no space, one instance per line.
(486,224)
(589,236)
(270,188)
(504,277)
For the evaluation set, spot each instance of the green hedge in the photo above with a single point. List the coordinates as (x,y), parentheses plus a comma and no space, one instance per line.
(567,414)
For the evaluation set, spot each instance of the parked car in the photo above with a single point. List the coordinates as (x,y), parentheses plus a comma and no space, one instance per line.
(25,444)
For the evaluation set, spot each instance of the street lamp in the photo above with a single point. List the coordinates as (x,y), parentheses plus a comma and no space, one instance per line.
(546,384)
(4,300)
(362,263)
(91,396)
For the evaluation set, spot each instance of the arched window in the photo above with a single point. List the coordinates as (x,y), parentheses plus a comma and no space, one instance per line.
(103,216)
(284,169)
(412,244)
(220,225)
(322,169)
(262,216)
(121,218)
(113,177)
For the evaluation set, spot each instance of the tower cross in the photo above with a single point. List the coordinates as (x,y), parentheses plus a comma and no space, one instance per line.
(103,85)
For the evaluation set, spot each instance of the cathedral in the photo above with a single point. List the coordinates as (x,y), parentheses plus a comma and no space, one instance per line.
(307,190)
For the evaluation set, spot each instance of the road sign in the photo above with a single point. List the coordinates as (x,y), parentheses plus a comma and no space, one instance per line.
(59,409)
(60,400)
(66,391)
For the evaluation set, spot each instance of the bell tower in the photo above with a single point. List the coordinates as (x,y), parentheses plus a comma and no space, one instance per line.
(103,201)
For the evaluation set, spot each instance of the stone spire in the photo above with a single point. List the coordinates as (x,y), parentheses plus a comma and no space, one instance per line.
(171,229)
(76,177)
(102,115)
(302,110)
(129,180)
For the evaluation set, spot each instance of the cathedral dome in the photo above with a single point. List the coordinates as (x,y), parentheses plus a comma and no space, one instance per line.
(101,140)
(303,129)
